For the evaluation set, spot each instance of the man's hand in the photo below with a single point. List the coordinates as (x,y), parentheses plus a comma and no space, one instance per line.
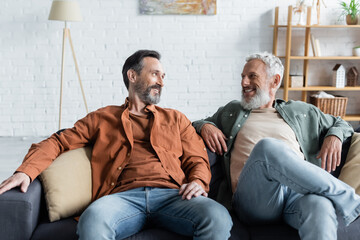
(214,138)
(330,153)
(191,189)
(19,179)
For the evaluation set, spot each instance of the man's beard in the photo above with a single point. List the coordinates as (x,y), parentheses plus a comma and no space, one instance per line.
(145,95)
(260,98)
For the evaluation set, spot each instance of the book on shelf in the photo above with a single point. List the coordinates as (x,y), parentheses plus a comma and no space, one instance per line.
(312,39)
(315,45)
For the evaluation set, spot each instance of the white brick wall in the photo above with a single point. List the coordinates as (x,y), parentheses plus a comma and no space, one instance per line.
(202,55)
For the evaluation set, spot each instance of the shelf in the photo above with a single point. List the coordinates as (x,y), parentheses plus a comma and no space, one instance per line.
(323,88)
(352,117)
(323,57)
(318,26)
(307,56)
(326,57)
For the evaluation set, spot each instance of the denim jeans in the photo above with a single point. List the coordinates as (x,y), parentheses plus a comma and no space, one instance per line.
(123,214)
(276,184)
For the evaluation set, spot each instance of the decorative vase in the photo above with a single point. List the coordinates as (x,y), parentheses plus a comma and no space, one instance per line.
(350,20)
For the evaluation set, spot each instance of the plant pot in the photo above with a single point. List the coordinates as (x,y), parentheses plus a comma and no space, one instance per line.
(351,21)
(356,51)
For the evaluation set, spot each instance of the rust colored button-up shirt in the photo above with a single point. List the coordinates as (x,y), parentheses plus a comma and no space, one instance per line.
(144,168)
(108,130)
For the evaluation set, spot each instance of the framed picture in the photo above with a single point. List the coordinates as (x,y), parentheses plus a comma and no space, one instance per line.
(181,7)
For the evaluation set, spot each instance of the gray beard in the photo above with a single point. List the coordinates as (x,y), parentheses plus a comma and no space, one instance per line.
(261,98)
(147,98)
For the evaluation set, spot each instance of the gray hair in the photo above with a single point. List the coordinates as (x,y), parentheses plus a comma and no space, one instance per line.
(273,64)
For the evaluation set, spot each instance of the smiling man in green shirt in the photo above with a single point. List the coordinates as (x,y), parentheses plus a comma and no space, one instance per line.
(275,154)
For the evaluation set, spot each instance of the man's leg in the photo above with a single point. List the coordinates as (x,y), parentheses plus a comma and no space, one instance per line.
(200,217)
(313,215)
(115,216)
(273,170)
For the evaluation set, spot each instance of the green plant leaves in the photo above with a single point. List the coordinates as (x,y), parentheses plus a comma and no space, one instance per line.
(352,9)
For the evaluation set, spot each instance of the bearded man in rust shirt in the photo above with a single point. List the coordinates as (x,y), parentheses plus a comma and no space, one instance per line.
(148,164)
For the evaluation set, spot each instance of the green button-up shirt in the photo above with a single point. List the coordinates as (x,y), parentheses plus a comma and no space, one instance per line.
(309,124)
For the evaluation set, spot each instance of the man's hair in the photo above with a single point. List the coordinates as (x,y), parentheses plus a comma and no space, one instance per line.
(273,64)
(135,62)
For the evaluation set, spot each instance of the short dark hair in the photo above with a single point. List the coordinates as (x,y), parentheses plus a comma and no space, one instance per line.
(135,62)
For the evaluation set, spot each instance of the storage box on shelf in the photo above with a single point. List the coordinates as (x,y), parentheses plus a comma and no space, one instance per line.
(296,81)
(306,58)
(335,106)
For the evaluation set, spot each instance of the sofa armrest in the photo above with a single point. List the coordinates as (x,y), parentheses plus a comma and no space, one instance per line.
(357,129)
(20,212)
(217,174)
(345,149)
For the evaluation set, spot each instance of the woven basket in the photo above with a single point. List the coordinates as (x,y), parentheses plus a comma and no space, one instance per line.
(334,106)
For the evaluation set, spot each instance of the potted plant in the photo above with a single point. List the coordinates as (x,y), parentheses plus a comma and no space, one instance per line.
(356,51)
(350,12)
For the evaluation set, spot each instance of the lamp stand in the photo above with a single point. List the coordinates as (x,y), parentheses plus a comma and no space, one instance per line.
(66,34)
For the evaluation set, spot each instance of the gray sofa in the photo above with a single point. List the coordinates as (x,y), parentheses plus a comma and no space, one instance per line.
(24,216)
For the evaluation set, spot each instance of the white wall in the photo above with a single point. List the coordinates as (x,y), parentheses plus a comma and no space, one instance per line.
(202,55)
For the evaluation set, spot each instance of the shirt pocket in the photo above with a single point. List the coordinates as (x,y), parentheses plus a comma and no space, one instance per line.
(168,137)
(307,127)
(227,121)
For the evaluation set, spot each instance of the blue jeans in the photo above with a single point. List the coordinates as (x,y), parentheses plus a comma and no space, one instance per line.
(123,214)
(277,184)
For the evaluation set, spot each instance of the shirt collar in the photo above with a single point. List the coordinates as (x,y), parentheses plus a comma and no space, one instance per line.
(148,108)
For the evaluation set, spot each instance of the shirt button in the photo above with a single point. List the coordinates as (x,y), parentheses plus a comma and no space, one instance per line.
(112,184)
(128,154)
(245,115)
(119,168)
(230,114)
(304,115)
(204,149)
(239,125)
(231,137)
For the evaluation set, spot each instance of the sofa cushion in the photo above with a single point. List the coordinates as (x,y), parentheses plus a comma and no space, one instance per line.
(350,172)
(67,184)
(59,230)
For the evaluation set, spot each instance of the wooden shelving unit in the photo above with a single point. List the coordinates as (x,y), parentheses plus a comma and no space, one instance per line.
(352,117)
(323,88)
(322,58)
(319,26)
(306,58)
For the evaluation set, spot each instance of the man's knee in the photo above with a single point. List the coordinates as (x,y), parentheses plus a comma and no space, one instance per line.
(318,210)
(269,149)
(267,144)
(217,218)
(219,213)
(90,225)
(94,223)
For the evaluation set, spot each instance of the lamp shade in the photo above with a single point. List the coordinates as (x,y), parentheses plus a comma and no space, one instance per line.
(65,11)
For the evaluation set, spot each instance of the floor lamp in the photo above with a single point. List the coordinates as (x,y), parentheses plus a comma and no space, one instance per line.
(67,11)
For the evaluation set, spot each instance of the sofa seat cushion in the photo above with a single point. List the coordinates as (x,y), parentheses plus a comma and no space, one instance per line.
(275,231)
(66,229)
(58,230)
